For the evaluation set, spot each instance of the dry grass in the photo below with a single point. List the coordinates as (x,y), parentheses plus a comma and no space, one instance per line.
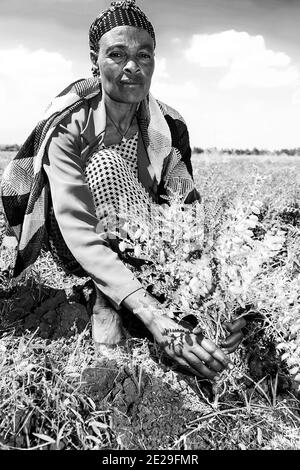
(45,404)
(59,394)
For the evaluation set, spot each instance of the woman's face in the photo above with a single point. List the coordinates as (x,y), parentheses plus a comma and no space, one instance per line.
(126,63)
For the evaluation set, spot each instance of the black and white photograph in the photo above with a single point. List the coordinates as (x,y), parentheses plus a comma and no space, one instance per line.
(149,228)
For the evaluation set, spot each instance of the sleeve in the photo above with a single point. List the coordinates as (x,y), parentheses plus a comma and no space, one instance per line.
(75,213)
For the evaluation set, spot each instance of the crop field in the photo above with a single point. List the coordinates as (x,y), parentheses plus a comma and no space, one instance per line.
(57,392)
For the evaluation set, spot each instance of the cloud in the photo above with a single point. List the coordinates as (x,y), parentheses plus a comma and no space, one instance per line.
(296,98)
(160,68)
(28,81)
(174,93)
(164,88)
(246,58)
(243,128)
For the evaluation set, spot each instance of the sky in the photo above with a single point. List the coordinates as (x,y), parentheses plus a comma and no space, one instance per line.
(230,67)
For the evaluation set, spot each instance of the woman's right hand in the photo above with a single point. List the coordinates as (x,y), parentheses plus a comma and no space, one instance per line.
(192,351)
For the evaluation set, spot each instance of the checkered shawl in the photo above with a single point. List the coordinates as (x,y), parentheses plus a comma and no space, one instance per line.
(24,186)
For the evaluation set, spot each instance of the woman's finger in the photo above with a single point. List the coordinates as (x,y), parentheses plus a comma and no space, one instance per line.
(236,325)
(199,354)
(202,369)
(213,350)
(198,369)
(188,348)
(182,362)
(233,341)
(200,351)
(232,349)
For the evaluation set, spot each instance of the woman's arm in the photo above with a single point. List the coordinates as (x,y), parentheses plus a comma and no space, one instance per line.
(74,210)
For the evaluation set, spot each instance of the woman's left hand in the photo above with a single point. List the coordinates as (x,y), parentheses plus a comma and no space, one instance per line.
(236,335)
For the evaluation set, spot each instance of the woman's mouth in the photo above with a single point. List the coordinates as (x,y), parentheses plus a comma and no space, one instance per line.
(130,83)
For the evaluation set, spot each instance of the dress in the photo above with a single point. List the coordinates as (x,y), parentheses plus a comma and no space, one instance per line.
(112,176)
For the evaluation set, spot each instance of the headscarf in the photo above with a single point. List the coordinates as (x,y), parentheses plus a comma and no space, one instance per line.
(121,13)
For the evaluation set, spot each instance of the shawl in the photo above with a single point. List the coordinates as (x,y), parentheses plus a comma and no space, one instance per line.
(24,188)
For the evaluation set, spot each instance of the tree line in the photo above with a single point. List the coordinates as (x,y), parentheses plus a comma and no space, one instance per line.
(255,151)
(198,150)
(10,148)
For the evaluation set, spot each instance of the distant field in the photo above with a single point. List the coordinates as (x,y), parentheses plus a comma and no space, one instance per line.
(5,158)
(272,177)
(265,163)
(281,173)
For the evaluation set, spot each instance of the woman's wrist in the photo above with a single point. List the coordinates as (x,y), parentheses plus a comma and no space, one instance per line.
(143,305)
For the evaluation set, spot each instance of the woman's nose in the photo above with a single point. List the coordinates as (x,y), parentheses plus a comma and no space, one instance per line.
(131,67)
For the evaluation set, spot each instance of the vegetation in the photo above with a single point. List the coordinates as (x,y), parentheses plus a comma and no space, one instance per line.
(57,393)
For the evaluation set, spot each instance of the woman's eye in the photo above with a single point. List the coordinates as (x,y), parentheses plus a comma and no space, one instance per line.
(144,55)
(115,55)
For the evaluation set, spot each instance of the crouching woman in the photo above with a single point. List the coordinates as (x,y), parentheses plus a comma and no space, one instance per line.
(104,140)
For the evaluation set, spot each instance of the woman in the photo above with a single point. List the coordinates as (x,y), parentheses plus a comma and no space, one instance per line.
(104,140)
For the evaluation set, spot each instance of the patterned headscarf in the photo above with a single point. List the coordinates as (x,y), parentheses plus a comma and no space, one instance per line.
(121,13)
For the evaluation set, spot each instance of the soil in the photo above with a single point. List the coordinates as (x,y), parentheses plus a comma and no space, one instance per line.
(152,404)
(54,312)
(149,413)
